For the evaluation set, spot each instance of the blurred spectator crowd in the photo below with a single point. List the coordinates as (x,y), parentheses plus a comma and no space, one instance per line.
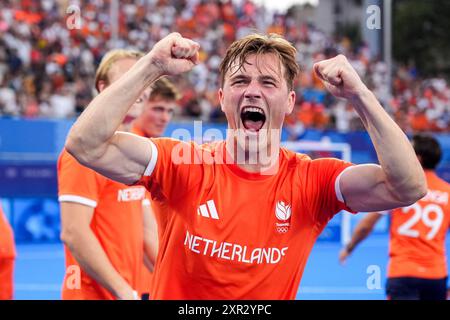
(48,60)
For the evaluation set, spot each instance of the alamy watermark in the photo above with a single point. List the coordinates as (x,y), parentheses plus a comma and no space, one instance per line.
(373,281)
(249,148)
(373,20)
(73,21)
(73,277)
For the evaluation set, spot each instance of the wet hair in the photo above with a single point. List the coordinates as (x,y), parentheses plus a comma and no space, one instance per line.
(258,44)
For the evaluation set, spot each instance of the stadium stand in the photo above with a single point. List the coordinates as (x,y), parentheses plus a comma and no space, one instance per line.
(46,69)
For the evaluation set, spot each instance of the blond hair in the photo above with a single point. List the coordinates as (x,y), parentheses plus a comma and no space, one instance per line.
(109,59)
(259,44)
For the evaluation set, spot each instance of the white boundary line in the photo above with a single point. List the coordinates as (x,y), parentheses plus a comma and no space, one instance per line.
(33,287)
(43,287)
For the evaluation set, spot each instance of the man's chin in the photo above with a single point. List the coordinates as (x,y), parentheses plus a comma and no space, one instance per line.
(251,133)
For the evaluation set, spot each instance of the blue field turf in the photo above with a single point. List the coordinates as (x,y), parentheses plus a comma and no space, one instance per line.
(40,269)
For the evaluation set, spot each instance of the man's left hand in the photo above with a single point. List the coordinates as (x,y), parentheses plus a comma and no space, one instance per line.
(339,77)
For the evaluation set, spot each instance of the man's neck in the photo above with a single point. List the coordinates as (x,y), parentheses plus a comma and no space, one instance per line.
(257,161)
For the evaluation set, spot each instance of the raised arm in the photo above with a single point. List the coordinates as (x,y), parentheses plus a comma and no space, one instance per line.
(93,139)
(400,180)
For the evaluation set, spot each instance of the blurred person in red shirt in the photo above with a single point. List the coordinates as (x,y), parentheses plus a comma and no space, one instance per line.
(7,257)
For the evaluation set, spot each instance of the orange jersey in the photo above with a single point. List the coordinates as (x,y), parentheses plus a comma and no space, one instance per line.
(147,276)
(7,247)
(417,244)
(7,256)
(136,130)
(117,223)
(230,234)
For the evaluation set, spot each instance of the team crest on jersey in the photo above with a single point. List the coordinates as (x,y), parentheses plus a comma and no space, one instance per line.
(283,213)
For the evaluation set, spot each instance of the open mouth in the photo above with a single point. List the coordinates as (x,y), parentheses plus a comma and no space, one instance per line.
(253,118)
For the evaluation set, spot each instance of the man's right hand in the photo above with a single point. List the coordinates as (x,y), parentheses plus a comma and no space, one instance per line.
(127,293)
(174,54)
(343,255)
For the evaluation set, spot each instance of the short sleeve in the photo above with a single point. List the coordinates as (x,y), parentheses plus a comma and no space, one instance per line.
(321,188)
(173,170)
(77,183)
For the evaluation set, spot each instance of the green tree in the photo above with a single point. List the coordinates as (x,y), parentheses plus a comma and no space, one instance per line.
(421,35)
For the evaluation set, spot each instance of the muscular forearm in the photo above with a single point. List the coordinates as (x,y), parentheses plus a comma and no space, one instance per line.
(402,170)
(103,116)
(93,260)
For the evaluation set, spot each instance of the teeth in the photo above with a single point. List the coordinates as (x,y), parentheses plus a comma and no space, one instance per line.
(253,109)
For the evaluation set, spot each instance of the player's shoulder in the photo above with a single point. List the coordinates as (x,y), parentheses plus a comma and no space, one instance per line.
(301,159)
(294,157)
(212,145)
(436,182)
(189,152)
(165,140)
(66,159)
(164,143)
(68,163)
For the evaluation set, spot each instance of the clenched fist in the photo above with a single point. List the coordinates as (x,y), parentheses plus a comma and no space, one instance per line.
(339,77)
(174,54)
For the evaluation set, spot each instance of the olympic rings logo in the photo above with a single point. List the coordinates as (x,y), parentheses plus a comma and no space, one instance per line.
(282,229)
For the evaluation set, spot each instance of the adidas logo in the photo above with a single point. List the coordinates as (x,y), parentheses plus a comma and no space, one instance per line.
(208,210)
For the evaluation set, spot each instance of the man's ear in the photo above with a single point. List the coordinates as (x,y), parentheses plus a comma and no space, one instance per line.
(221,99)
(101,85)
(291,102)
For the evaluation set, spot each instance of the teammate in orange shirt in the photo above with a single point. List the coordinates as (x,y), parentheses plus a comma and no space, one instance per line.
(102,220)
(151,123)
(158,110)
(243,214)
(417,267)
(7,256)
